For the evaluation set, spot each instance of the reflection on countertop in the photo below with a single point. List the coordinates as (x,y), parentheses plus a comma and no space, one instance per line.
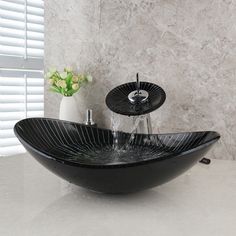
(36,202)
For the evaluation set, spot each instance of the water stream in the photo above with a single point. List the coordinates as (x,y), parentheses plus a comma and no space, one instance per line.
(120,145)
(115,123)
(123,149)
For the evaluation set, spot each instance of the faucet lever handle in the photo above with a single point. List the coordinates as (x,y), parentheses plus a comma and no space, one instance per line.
(137,84)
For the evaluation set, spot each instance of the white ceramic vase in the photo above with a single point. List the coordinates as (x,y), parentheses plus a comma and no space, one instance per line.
(68,109)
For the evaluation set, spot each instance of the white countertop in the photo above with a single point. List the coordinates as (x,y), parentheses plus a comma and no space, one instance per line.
(35,202)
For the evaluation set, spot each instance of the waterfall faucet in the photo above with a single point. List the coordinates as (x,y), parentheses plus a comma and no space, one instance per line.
(135,99)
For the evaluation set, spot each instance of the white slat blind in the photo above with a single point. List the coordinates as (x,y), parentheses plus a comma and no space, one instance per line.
(21,67)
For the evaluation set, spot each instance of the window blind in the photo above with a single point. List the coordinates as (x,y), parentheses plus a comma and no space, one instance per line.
(21,67)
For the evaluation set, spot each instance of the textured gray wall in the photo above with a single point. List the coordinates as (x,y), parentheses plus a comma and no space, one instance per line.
(186,47)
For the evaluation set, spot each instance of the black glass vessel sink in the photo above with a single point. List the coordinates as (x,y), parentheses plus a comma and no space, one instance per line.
(85,155)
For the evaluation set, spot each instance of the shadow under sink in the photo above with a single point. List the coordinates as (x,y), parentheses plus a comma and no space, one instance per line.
(85,155)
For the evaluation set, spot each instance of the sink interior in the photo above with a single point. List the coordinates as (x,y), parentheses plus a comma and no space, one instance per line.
(82,144)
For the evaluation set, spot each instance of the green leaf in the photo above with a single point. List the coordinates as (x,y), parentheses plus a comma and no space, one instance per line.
(69,80)
(54,90)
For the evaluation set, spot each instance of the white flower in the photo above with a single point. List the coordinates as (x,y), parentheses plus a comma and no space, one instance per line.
(61,83)
(75,79)
(51,81)
(89,78)
(68,69)
(49,74)
(52,70)
(75,86)
(63,75)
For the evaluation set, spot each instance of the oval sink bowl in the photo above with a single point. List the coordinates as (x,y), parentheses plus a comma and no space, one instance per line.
(85,155)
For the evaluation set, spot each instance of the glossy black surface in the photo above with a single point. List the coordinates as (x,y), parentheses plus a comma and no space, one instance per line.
(85,155)
(117,99)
